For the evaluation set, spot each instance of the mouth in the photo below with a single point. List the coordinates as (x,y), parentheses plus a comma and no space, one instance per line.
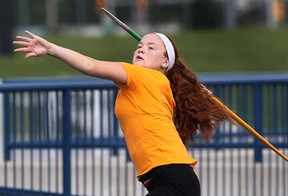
(138,57)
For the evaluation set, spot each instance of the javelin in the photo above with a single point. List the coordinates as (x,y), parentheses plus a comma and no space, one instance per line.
(231,113)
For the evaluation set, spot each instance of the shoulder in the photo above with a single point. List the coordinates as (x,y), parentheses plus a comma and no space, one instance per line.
(137,75)
(138,72)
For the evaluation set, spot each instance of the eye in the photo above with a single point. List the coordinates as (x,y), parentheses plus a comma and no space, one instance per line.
(151,48)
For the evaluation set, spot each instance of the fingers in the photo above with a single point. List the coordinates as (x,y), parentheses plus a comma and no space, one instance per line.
(21,50)
(22,38)
(26,39)
(31,34)
(25,50)
(32,45)
(21,43)
(25,43)
(31,54)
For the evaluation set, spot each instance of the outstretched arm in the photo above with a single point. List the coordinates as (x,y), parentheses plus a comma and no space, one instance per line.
(35,46)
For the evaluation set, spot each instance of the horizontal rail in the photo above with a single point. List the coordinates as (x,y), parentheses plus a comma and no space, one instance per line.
(28,84)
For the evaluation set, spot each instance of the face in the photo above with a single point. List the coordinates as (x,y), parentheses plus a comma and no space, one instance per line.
(150,53)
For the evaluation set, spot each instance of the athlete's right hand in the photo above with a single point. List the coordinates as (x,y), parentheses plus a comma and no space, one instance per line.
(33,46)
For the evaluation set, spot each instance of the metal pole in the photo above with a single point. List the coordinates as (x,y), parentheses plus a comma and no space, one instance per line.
(1,128)
(66,143)
(230,18)
(6,27)
(52,15)
(23,10)
(270,22)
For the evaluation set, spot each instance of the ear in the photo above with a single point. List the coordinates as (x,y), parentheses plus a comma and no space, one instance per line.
(165,63)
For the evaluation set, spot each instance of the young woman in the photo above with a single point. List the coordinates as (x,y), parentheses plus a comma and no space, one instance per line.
(160,106)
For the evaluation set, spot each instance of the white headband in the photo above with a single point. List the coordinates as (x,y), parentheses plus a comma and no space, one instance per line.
(169,48)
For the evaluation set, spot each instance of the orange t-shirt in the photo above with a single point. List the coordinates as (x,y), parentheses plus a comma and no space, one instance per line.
(144,108)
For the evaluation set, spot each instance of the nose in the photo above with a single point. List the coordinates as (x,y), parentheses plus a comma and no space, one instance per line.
(140,50)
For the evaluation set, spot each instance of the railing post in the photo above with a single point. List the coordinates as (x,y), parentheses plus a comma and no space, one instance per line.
(66,143)
(1,127)
(258,120)
(115,125)
(6,114)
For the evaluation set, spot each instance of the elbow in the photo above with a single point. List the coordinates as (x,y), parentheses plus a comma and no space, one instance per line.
(88,68)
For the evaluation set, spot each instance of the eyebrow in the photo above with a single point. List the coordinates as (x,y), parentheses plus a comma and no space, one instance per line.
(149,43)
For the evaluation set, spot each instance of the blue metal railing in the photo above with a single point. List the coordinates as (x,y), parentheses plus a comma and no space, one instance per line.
(63,134)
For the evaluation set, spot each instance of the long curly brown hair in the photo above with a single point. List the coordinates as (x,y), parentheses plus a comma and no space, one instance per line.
(195,110)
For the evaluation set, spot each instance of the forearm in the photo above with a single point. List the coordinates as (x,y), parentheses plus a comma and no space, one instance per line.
(35,46)
(74,59)
(89,66)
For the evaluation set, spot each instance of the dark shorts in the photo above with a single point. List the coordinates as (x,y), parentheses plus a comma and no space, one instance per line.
(171,180)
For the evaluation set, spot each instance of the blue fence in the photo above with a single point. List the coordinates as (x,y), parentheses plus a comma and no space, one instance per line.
(61,137)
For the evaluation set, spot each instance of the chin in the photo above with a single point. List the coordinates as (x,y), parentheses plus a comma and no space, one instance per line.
(138,63)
